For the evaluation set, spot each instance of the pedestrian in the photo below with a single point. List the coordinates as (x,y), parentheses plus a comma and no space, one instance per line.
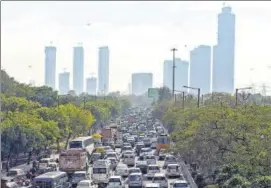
(28,175)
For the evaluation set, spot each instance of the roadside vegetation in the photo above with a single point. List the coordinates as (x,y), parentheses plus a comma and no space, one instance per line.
(227,145)
(37,118)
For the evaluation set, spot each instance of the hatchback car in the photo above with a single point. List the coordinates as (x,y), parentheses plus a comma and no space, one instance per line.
(135,180)
(122,170)
(169,159)
(173,170)
(180,184)
(161,179)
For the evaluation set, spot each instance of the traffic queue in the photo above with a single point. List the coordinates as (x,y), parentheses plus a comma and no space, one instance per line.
(132,151)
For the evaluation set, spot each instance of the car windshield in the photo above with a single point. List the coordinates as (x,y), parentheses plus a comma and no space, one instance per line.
(75,144)
(153,167)
(173,167)
(114,180)
(79,175)
(134,178)
(160,178)
(99,170)
(180,185)
(12,173)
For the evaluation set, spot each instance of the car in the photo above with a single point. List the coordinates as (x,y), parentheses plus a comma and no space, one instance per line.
(129,152)
(180,184)
(84,184)
(115,182)
(145,151)
(118,143)
(169,159)
(162,154)
(161,179)
(150,159)
(135,180)
(151,170)
(122,170)
(112,155)
(152,185)
(173,170)
(79,176)
(134,170)
(129,159)
(142,165)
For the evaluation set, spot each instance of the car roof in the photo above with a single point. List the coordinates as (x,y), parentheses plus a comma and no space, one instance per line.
(159,175)
(180,181)
(136,173)
(115,177)
(152,185)
(173,164)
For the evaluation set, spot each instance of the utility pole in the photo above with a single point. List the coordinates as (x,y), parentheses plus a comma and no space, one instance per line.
(198,96)
(173,71)
(183,99)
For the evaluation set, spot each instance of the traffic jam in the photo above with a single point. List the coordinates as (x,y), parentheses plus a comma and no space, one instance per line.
(132,151)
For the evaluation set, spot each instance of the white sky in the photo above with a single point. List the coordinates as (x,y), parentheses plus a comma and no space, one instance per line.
(139,36)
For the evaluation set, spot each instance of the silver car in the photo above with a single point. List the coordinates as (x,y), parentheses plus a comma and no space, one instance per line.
(173,170)
(135,180)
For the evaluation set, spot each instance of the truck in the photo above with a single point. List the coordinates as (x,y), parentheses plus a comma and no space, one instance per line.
(108,134)
(73,160)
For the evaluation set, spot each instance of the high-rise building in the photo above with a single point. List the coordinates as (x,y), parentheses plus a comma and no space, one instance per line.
(92,86)
(103,70)
(78,69)
(200,68)
(141,82)
(224,53)
(181,74)
(50,66)
(64,83)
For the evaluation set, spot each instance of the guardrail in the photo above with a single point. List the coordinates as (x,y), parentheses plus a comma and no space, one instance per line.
(187,174)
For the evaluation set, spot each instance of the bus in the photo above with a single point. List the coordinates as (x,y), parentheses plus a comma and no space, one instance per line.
(86,143)
(163,142)
(55,179)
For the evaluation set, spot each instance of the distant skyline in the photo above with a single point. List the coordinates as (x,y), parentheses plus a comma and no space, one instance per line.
(138,41)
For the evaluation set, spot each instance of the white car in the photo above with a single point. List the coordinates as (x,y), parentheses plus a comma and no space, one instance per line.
(134,170)
(122,170)
(152,185)
(150,159)
(161,179)
(84,184)
(112,155)
(151,170)
(115,182)
(180,184)
(135,180)
(173,170)
(169,159)
(118,143)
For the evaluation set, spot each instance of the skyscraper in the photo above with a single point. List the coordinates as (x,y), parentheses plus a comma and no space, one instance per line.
(92,86)
(141,82)
(64,83)
(181,74)
(103,70)
(50,66)
(224,53)
(200,68)
(78,69)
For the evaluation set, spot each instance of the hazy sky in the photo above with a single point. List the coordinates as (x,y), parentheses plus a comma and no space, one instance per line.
(139,36)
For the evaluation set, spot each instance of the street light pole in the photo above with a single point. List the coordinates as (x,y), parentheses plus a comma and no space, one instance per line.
(173,71)
(198,96)
(195,88)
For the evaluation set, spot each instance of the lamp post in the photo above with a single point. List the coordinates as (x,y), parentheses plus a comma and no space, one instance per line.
(173,71)
(195,88)
(236,93)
